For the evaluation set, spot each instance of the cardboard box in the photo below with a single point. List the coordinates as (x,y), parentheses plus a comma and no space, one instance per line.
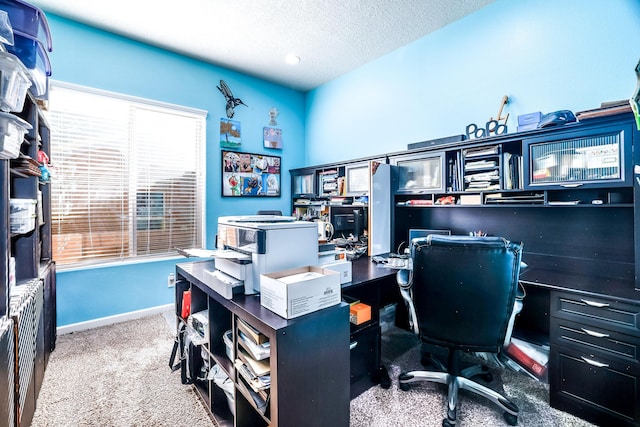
(342,267)
(359,313)
(293,293)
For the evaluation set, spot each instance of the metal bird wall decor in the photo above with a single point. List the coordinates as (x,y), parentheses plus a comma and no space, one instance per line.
(231,101)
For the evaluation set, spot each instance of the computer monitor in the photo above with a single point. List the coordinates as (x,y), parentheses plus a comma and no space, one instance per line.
(348,220)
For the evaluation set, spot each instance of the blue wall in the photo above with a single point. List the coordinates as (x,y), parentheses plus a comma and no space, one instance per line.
(544,55)
(89,57)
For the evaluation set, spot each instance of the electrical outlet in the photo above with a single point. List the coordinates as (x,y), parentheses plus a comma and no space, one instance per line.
(171,280)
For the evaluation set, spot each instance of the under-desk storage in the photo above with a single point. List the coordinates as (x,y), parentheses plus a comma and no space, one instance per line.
(308,359)
(595,357)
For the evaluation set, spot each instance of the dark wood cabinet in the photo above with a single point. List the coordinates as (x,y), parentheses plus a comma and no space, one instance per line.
(308,358)
(595,354)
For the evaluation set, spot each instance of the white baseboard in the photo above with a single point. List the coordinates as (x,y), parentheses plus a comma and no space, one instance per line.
(110,320)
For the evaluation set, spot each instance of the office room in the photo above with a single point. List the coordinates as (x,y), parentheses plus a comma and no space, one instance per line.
(101,280)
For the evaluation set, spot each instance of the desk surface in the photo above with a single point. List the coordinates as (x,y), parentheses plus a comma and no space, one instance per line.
(363,271)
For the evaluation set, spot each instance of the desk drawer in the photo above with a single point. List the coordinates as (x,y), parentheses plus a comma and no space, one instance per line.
(597,311)
(606,395)
(596,341)
(365,353)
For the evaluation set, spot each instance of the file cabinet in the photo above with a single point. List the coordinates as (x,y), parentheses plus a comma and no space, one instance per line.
(595,357)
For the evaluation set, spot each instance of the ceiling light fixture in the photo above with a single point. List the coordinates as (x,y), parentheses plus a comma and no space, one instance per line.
(292,59)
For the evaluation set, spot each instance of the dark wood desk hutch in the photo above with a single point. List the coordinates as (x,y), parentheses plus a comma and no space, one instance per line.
(572,195)
(28,306)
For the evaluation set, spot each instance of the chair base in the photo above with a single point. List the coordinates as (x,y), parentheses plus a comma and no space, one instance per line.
(462,382)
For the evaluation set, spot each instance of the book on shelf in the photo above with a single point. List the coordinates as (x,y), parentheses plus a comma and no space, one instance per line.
(257,367)
(252,333)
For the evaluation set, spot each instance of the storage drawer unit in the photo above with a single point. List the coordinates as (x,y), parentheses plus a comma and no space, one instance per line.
(365,358)
(595,358)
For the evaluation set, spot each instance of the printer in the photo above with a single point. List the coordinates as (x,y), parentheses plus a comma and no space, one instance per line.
(251,245)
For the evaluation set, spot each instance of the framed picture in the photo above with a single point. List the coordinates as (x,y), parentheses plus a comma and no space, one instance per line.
(272,137)
(250,175)
(230,133)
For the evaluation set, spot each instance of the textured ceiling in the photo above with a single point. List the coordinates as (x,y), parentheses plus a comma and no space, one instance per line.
(332,37)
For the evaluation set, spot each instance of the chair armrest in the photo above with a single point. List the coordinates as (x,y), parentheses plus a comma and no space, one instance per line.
(403,277)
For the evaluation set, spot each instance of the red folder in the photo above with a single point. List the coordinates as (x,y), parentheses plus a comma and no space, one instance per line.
(525,360)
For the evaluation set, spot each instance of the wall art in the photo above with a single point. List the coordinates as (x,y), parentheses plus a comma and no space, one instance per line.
(248,174)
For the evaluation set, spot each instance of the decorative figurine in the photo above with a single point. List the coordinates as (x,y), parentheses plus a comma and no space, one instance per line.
(231,101)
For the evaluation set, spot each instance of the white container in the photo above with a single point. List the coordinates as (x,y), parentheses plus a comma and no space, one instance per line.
(293,293)
(344,268)
(14,82)
(22,215)
(12,131)
(22,224)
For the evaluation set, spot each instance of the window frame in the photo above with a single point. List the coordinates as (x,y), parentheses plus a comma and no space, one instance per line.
(130,228)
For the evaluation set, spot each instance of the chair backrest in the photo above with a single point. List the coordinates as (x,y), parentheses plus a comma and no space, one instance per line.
(464,289)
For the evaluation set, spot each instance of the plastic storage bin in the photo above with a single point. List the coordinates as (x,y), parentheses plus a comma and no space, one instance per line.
(35,59)
(12,130)
(14,82)
(22,215)
(29,20)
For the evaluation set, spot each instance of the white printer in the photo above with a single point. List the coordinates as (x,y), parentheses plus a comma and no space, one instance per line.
(264,244)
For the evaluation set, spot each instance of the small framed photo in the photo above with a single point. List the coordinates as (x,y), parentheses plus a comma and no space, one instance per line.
(272,137)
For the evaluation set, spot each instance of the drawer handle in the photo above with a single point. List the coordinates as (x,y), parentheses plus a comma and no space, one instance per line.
(594,363)
(353,345)
(594,304)
(594,334)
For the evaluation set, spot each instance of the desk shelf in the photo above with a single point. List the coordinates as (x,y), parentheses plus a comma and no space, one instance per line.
(309,358)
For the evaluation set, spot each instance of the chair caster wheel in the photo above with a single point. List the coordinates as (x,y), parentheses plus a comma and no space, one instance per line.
(511,419)
(450,421)
(487,377)
(404,387)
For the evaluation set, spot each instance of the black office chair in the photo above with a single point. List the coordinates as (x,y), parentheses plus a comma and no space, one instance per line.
(461,293)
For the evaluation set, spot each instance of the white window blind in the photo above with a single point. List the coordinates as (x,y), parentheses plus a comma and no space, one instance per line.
(128,176)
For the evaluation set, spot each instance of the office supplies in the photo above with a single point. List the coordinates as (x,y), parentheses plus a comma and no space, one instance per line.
(252,333)
(292,293)
(359,313)
(258,244)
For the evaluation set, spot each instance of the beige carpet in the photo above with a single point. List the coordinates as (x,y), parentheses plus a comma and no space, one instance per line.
(424,404)
(116,376)
(119,375)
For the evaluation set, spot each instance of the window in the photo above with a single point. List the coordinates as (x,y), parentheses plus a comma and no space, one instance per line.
(128,176)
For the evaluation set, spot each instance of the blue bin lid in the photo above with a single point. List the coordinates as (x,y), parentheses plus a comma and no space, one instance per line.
(28,19)
(31,52)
